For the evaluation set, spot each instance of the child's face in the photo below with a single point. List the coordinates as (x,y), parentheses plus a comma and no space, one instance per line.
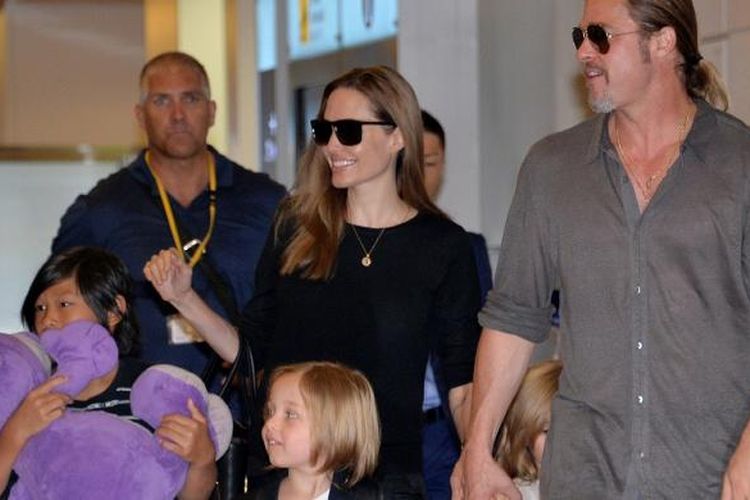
(59,305)
(286,432)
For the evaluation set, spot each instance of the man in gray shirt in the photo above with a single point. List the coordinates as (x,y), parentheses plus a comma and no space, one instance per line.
(640,216)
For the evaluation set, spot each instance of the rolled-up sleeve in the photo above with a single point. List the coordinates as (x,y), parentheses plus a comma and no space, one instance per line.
(526,273)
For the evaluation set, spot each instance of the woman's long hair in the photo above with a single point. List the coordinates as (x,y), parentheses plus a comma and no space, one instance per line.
(316,211)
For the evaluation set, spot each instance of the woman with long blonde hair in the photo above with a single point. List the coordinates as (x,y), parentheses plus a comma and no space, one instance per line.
(362,268)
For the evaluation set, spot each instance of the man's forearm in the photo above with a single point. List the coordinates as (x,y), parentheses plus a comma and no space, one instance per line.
(500,365)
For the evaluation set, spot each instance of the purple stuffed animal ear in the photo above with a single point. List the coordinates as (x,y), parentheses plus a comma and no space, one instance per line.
(165,389)
(83,351)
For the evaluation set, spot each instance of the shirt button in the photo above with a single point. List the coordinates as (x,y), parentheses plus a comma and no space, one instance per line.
(637,289)
(640,399)
(641,455)
(639,345)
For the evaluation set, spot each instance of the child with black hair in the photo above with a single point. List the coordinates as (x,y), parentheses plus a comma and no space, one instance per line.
(93,285)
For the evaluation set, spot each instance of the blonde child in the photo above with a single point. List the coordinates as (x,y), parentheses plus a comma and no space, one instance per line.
(322,427)
(524,430)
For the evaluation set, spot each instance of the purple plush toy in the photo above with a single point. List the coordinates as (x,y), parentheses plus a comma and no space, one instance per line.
(97,455)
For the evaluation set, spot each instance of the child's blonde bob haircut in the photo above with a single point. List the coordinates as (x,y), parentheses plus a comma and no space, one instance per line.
(344,423)
(528,416)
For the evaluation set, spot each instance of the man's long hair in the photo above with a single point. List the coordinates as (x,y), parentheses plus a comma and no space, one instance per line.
(701,78)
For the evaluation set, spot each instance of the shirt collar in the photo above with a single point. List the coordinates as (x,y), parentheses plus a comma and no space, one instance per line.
(704,126)
(598,141)
(224,174)
(699,134)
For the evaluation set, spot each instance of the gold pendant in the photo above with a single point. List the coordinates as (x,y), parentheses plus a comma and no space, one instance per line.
(366,261)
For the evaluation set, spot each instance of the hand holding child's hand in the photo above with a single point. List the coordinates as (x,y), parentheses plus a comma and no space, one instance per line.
(477,476)
(736,482)
(170,275)
(39,409)
(188,437)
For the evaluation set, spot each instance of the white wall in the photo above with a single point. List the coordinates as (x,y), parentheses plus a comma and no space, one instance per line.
(33,197)
(501,74)
(438,48)
(489,72)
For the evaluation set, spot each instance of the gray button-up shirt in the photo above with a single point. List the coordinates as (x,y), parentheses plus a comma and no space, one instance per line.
(655,311)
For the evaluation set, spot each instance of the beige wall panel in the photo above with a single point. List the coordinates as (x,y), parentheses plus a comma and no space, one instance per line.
(711,17)
(739,14)
(74,71)
(160,22)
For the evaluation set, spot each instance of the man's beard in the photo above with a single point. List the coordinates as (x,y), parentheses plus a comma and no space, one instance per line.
(602,104)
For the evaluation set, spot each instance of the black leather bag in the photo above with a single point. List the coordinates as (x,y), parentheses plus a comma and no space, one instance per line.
(240,380)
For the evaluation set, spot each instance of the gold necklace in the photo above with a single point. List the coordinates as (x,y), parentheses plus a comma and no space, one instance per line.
(367,259)
(648,187)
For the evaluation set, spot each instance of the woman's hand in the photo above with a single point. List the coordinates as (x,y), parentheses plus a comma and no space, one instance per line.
(170,275)
(477,476)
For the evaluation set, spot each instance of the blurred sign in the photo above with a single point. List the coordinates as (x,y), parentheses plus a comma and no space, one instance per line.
(313,27)
(365,21)
(317,27)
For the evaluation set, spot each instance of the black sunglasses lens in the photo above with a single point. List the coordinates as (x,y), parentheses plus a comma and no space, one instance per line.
(349,132)
(577,37)
(321,131)
(598,37)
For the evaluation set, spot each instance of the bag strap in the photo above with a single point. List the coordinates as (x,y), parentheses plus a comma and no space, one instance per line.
(244,353)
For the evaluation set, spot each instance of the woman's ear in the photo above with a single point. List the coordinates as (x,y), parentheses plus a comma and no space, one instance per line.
(115,316)
(397,140)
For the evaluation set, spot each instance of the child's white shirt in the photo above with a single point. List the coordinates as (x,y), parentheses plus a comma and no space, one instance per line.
(323,496)
(529,490)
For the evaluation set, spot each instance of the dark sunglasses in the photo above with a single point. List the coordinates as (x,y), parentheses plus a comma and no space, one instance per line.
(596,35)
(348,132)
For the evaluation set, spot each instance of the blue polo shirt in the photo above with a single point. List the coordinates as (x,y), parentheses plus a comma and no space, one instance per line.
(123,214)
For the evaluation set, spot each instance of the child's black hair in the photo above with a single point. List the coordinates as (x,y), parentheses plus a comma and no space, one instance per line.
(100,277)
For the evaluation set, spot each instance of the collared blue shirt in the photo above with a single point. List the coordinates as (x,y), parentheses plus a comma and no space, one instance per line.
(123,214)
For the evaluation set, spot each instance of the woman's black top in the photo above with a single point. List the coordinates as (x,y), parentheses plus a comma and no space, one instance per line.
(420,293)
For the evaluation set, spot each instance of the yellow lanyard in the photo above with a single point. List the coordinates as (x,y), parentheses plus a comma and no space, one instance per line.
(170,215)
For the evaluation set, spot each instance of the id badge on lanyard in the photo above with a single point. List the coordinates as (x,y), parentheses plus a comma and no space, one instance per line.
(180,331)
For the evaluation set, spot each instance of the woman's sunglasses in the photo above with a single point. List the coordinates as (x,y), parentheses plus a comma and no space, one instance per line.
(348,132)
(596,35)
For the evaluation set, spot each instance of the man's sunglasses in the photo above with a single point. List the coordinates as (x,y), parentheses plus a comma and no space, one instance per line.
(348,132)
(596,35)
